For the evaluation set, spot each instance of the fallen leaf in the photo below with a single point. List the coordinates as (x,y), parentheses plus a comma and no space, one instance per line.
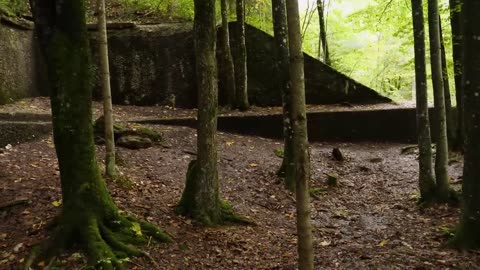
(325,243)
(57,203)
(253,164)
(136,228)
(383,243)
(230,143)
(17,247)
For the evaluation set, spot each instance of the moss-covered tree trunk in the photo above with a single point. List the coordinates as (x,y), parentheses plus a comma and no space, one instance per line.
(468,232)
(200,199)
(282,82)
(241,85)
(110,168)
(446,89)
(457,51)
(322,44)
(89,217)
(301,154)
(226,55)
(425,175)
(441,158)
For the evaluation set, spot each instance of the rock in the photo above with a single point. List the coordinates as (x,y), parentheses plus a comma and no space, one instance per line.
(134,142)
(99,128)
(337,154)
(332,180)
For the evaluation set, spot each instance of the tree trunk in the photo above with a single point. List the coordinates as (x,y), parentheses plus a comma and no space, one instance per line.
(282,82)
(322,45)
(201,199)
(441,159)
(457,50)
(110,169)
(425,175)
(468,232)
(241,60)
(446,89)
(89,216)
(227,56)
(300,139)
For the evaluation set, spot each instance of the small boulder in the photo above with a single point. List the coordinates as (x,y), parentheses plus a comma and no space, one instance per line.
(134,142)
(337,154)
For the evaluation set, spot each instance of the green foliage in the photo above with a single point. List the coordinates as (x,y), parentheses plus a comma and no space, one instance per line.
(279,153)
(13,7)
(173,8)
(372,42)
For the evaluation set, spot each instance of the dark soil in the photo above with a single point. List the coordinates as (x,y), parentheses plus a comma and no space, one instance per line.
(370,221)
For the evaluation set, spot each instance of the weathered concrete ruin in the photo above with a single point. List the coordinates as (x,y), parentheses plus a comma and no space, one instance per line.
(154,65)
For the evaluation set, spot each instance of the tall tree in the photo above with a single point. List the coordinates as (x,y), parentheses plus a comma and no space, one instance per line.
(446,90)
(282,82)
(201,197)
(301,156)
(89,218)
(226,55)
(441,158)
(110,168)
(457,50)
(241,85)
(426,179)
(468,232)
(322,44)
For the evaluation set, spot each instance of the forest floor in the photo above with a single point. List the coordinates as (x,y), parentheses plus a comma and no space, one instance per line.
(370,221)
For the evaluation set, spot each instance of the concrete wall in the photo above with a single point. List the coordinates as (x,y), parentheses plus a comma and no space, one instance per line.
(150,64)
(18,61)
(155,65)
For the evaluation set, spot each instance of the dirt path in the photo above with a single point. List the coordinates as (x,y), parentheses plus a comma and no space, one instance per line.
(370,222)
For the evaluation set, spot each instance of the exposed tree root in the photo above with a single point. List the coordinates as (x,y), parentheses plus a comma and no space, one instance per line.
(105,243)
(452,200)
(217,212)
(287,176)
(229,215)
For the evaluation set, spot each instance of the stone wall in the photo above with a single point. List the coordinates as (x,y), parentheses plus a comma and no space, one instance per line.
(155,65)
(151,64)
(18,61)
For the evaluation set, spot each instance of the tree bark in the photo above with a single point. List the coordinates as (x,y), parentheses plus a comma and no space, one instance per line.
(89,216)
(241,85)
(468,232)
(300,139)
(110,168)
(446,89)
(282,81)
(441,159)
(227,55)
(201,199)
(425,176)
(322,45)
(457,50)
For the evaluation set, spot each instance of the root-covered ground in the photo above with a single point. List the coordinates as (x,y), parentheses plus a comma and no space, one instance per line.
(370,221)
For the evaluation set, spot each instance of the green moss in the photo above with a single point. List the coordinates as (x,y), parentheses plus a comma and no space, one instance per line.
(187,203)
(149,133)
(123,181)
(229,215)
(122,130)
(318,191)
(5,97)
